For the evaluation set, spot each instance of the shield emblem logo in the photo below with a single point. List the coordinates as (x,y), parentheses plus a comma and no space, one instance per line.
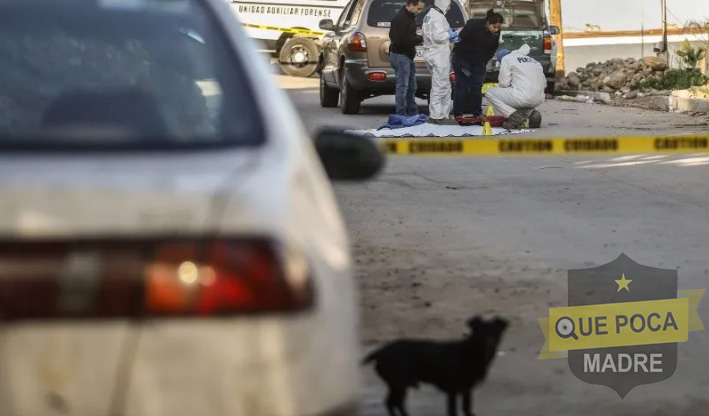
(621,281)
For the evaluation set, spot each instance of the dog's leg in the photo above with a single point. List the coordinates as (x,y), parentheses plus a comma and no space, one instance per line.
(395,400)
(391,401)
(452,410)
(399,395)
(468,403)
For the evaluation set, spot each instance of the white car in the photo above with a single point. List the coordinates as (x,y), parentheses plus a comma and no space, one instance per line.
(170,244)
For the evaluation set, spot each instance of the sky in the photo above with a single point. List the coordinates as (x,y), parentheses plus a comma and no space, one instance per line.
(629,14)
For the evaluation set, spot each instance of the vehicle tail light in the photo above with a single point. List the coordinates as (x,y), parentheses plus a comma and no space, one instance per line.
(124,279)
(357,43)
(547,45)
(377,76)
(223,277)
(452,77)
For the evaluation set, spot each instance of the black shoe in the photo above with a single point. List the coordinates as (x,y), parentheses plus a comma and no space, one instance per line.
(449,122)
(514,121)
(535,120)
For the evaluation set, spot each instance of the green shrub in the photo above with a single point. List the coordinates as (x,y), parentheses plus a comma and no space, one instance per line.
(674,79)
(690,55)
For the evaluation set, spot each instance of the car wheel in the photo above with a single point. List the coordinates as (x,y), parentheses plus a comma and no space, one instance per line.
(299,57)
(350,101)
(319,67)
(328,96)
(551,88)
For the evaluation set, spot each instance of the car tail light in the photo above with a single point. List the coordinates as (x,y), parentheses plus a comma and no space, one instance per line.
(452,77)
(358,43)
(547,45)
(223,277)
(124,279)
(377,76)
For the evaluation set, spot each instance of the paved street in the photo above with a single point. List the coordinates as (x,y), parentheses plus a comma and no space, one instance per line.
(438,240)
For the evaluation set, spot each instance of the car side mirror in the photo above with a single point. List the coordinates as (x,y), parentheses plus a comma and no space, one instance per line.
(327,25)
(554,30)
(347,156)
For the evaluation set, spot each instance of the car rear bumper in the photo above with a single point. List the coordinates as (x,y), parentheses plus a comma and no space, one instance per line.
(349,409)
(235,367)
(492,76)
(358,72)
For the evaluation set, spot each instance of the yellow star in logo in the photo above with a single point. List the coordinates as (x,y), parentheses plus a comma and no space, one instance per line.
(623,284)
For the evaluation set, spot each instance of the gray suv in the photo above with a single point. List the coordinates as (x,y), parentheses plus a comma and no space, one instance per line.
(354,60)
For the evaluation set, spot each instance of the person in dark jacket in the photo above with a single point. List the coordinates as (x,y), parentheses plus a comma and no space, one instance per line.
(479,40)
(402,52)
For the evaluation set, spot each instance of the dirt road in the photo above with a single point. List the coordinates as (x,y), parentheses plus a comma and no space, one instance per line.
(438,240)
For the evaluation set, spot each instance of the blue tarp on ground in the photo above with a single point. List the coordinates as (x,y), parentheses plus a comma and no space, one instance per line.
(400,122)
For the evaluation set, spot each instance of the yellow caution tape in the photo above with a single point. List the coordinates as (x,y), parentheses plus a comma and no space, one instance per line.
(285,30)
(509,146)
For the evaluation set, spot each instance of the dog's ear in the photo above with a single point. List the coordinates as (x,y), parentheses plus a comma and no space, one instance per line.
(474,323)
(501,324)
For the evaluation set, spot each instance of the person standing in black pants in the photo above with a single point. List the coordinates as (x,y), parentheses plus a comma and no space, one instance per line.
(479,40)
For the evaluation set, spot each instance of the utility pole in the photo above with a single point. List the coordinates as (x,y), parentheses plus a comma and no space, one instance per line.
(555,20)
(642,29)
(664,31)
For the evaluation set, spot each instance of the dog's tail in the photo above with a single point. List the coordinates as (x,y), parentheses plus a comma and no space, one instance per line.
(372,356)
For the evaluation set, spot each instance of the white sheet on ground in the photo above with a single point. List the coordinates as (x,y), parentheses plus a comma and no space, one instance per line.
(434,130)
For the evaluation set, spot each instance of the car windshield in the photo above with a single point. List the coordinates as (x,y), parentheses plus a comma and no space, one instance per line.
(381,12)
(94,73)
(518,14)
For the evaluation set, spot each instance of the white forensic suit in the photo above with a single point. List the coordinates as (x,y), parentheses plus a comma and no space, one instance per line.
(521,84)
(437,53)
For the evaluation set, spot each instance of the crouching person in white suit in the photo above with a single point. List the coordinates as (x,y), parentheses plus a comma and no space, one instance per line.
(520,89)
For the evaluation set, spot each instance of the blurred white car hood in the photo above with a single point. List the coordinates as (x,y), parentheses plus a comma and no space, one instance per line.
(60,196)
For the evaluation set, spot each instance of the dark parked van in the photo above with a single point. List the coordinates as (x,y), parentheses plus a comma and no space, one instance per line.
(525,22)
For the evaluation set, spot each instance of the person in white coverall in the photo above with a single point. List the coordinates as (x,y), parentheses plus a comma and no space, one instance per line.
(520,89)
(437,36)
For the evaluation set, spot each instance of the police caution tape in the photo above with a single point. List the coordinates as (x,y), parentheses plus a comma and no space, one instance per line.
(546,146)
(284,30)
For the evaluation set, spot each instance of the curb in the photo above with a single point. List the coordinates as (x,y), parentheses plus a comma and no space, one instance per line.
(676,102)
(687,104)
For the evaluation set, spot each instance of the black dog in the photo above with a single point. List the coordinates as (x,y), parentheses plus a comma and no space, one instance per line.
(454,367)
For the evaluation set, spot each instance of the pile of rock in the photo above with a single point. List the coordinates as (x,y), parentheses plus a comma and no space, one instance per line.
(617,77)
